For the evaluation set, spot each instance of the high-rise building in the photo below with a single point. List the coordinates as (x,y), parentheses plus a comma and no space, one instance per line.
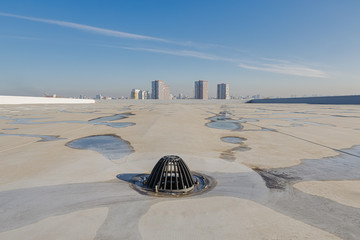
(201,89)
(142,94)
(134,94)
(223,91)
(160,90)
(99,96)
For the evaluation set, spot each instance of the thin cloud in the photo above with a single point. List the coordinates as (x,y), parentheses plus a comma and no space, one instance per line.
(114,33)
(286,68)
(281,67)
(87,28)
(183,53)
(272,65)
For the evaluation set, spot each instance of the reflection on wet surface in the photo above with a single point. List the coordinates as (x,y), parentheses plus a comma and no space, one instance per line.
(219,118)
(111,146)
(44,138)
(107,120)
(229,154)
(21,207)
(345,116)
(9,128)
(204,184)
(298,121)
(118,124)
(27,121)
(226,125)
(271,188)
(345,166)
(233,139)
(245,120)
(223,121)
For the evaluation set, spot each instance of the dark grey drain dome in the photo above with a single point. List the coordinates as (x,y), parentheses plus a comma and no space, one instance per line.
(170,174)
(170,178)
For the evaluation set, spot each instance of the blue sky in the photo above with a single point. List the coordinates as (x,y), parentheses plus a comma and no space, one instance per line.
(272,48)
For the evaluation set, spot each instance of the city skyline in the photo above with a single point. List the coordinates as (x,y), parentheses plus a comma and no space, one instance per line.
(258,47)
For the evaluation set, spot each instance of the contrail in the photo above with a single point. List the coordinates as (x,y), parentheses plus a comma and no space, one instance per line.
(87,28)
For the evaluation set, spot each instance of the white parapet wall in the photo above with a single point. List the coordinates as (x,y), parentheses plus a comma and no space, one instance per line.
(41,100)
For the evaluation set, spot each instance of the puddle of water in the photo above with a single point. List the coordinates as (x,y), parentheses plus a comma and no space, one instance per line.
(245,120)
(226,125)
(44,138)
(345,166)
(111,146)
(229,154)
(219,118)
(9,128)
(28,121)
(241,149)
(234,140)
(22,207)
(107,120)
(345,116)
(118,124)
(268,129)
(205,184)
(224,121)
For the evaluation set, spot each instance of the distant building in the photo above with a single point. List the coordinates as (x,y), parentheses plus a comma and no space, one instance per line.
(223,91)
(99,96)
(160,90)
(134,94)
(180,96)
(257,96)
(201,89)
(141,94)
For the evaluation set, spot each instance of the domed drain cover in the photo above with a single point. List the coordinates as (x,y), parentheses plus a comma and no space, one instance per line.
(170,174)
(172,177)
